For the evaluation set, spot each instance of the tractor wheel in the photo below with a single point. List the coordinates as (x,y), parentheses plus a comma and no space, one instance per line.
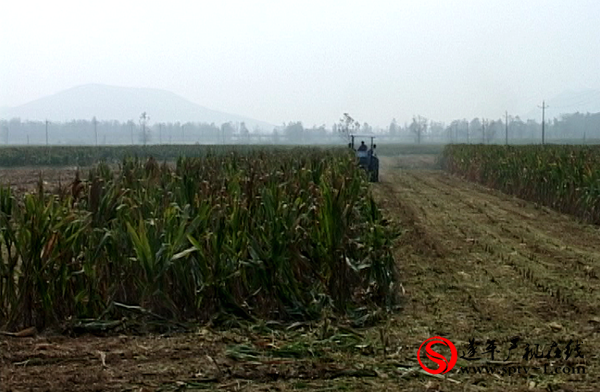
(375,175)
(374,170)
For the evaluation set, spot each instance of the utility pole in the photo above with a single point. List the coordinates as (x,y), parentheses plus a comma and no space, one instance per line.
(585,121)
(144,118)
(483,130)
(506,125)
(47,145)
(468,137)
(544,107)
(95,129)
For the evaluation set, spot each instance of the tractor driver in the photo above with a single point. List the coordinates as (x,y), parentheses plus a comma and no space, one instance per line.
(362,150)
(372,151)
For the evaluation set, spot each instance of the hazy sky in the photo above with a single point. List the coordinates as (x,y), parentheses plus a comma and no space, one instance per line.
(309,60)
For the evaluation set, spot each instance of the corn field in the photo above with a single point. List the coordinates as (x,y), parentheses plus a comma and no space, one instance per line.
(273,234)
(566,178)
(17,156)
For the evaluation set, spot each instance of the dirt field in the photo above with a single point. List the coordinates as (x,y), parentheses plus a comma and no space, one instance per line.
(26,179)
(476,265)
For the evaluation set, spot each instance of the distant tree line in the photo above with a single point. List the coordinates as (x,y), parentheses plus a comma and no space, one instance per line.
(95,131)
(572,127)
(90,132)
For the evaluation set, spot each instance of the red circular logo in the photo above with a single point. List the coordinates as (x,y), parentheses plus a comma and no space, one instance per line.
(444,365)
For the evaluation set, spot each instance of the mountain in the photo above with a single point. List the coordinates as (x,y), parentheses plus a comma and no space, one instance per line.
(582,101)
(122,104)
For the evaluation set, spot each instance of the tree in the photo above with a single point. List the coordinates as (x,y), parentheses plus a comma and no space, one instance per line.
(533,129)
(5,130)
(454,128)
(366,128)
(393,128)
(294,132)
(131,126)
(347,126)
(227,131)
(484,125)
(145,136)
(437,129)
(316,134)
(244,131)
(474,128)
(492,129)
(418,127)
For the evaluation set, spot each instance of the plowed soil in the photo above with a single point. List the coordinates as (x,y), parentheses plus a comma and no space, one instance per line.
(476,265)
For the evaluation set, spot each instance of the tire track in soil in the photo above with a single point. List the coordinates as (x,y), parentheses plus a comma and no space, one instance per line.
(478,263)
(542,257)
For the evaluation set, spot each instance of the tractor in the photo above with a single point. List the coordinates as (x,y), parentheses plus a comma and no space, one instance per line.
(366,157)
